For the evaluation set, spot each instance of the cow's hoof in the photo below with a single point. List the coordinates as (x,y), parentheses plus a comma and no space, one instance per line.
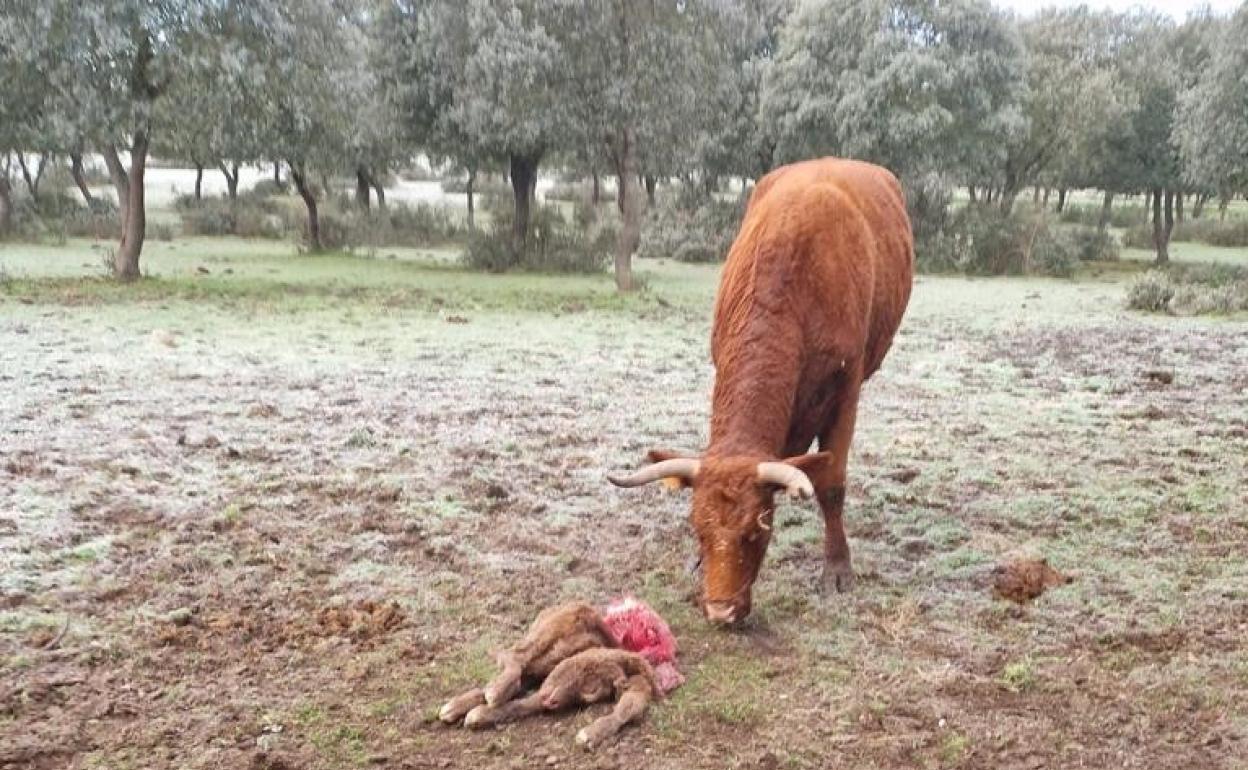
(837,579)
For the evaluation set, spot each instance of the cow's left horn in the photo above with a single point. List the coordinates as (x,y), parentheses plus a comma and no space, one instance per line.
(682,467)
(796,483)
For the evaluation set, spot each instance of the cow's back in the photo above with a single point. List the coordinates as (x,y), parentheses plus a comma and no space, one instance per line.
(817,280)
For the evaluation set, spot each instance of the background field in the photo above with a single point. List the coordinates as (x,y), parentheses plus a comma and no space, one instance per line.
(277,512)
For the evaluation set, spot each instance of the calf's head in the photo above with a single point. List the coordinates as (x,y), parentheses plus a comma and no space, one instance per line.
(733,505)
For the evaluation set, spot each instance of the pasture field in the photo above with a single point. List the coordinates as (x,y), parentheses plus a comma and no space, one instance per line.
(273,514)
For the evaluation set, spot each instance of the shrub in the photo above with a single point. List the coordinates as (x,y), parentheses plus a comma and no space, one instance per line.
(483,186)
(1122,215)
(567,191)
(1152,292)
(690,228)
(345,226)
(553,246)
(982,240)
(1214,233)
(1094,245)
(247,217)
(267,188)
(160,232)
(1138,237)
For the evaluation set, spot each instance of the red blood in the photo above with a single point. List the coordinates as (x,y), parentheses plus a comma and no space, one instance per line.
(639,629)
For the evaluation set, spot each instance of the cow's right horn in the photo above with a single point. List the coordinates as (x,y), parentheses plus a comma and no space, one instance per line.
(796,483)
(680,467)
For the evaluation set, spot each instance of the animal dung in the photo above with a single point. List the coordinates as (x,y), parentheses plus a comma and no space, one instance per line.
(1022,580)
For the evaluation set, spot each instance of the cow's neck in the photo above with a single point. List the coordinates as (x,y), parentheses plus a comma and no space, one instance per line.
(753,404)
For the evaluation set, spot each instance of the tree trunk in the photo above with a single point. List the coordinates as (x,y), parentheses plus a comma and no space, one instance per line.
(309,200)
(277,173)
(6,202)
(80,179)
(1224,200)
(230,173)
(1061,199)
(970,191)
(523,181)
(380,190)
(1162,226)
(630,228)
(134,229)
(362,189)
(1035,196)
(199,181)
(597,193)
(1198,207)
(1178,207)
(650,185)
(32,182)
(472,215)
(121,182)
(1107,207)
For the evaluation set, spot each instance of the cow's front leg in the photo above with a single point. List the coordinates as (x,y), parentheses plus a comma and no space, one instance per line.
(838,571)
(838,574)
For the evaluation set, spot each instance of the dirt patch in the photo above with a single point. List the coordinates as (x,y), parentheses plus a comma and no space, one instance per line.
(1024,580)
(363,621)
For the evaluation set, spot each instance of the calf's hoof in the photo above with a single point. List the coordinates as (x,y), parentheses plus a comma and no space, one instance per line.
(478,718)
(837,579)
(457,707)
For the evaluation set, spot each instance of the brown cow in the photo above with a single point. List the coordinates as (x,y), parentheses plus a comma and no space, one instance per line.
(812,293)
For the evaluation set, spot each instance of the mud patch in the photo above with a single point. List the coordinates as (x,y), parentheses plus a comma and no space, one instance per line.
(1024,580)
(363,621)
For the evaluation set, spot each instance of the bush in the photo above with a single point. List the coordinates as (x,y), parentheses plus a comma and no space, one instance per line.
(484,186)
(1152,292)
(1123,215)
(1213,232)
(247,217)
(267,188)
(1195,289)
(1095,245)
(982,240)
(690,228)
(567,191)
(553,246)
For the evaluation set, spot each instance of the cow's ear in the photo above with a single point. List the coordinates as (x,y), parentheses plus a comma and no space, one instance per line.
(811,464)
(671,483)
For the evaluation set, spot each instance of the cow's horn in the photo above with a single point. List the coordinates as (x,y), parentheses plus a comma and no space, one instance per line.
(793,480)
(683,467)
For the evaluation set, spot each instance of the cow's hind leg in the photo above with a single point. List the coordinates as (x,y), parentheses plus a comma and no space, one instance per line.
(829,482)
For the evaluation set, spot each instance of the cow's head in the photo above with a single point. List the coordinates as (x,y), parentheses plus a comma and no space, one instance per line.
(733,504)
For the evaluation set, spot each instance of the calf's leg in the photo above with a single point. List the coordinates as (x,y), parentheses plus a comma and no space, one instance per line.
(486,715)
(457,707)
(634,699)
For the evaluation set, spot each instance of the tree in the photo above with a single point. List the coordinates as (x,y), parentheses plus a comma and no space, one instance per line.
(636,77)
(928,89)
(304,88)
(1212,125)
(739,141)
(1070,97)
(117,59)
